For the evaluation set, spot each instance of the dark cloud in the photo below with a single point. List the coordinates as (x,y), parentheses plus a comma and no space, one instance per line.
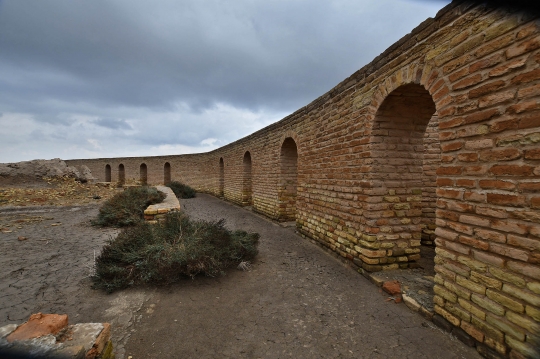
(165,69)
(112,123)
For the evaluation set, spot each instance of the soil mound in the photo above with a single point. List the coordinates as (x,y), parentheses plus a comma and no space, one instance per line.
(38,169)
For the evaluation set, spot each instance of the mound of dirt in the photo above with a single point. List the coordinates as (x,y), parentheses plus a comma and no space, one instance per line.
(38,169)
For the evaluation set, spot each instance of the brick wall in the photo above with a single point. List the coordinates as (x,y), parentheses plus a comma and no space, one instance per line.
(437,138)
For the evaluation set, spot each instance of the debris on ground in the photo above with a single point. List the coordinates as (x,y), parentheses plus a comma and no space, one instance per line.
(57,191)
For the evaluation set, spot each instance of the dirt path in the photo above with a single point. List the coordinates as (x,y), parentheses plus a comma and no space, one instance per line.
(297,302)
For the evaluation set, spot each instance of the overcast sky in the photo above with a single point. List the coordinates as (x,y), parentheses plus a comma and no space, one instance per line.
(110,78)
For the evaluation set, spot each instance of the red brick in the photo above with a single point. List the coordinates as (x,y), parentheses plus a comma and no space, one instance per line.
(504,125)
(39,325)
(512,170)
(484,63)
(447,158)
(451,123)
(533,154)
(505,154)
(522,242)
(494,45)
(507,67)
(520,49)
(530,120)
(447,215)
(529,187)
(523,107)
(459,206)
(490,236)
(458,74)
(468,157)
(467,82)
(449,193)
(475,243)
(535,202)
(467,183)
(453,146)
(509,226)
(530,91)
(447,111)
(479,144)
(447,135)
(474,220)
(506,199)
(508,251)
(492,212)
(526,77)
(529,270)
(460,227)
(475,197)
(441,182)
(496,184)
(486,89)
(488,258)
(475,170)
(449,170)
(480,116)
(496,98)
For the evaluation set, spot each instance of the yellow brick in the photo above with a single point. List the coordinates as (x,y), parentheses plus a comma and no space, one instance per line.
(505,300)
(446,315)
(523,322)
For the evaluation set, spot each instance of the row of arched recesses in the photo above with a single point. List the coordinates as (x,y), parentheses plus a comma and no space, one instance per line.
(143,173)
(287,185)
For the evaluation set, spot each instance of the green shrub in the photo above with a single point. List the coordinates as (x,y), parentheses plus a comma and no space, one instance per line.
(181,190)
(163,253)
(127,208)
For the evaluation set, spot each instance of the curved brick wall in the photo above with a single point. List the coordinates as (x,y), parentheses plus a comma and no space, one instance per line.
(373,178)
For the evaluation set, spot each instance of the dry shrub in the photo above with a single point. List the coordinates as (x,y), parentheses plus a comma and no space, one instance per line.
(127,208)
(163,253)
(181,190)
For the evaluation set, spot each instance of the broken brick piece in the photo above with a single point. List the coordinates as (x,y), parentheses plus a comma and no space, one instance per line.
(39,325)
(392,287)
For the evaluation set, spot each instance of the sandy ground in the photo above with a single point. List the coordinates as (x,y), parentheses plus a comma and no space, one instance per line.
(297,301)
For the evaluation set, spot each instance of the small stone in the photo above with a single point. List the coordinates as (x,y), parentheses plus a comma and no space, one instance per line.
(21,238)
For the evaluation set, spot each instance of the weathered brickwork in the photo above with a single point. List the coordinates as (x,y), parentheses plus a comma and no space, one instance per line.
(436,140)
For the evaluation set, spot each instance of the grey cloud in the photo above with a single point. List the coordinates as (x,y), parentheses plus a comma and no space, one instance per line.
(67,63)
(112,123)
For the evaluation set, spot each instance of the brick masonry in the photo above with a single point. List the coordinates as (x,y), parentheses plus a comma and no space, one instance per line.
(436,140)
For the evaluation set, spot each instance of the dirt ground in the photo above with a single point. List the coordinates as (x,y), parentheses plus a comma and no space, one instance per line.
(297,301)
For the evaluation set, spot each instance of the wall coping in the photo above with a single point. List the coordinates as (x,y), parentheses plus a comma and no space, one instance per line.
(157,211)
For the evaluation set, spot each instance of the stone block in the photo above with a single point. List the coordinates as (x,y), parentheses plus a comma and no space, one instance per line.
(464,337)
(442,323)
(39,325)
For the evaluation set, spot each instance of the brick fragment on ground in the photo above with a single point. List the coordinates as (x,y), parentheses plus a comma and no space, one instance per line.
(39,325)
(392,287)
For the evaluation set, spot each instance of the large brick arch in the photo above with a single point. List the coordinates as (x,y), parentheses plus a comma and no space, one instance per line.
(481,69)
